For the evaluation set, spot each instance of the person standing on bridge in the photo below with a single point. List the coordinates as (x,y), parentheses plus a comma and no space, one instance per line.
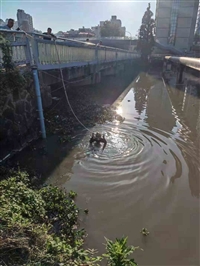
(49,34)
(8,36)
(9,25)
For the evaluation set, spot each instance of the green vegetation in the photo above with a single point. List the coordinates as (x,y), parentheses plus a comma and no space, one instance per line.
(146,34)
(118,253)
(11,80)
(39,227)
(72,194)
(86,211)
(7,54)
(145,232)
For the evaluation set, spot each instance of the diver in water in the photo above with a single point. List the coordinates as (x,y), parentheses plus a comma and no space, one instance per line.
(98,139)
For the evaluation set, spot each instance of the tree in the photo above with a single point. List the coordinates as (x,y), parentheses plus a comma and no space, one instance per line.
(146,31)
(110,30)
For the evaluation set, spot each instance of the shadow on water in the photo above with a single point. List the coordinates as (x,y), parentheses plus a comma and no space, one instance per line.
(145,177)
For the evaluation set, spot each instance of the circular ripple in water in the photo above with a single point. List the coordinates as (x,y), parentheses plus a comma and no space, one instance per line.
(120,144)
(128,148)
(136,153)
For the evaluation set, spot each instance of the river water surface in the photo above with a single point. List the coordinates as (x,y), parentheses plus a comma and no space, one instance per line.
(148,175)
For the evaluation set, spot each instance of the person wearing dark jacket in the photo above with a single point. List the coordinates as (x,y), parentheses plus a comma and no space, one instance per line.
(49,35)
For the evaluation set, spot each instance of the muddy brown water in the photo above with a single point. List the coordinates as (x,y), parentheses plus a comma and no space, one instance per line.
(148,175)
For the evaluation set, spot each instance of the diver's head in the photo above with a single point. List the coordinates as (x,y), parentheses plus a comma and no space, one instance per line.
(98,135)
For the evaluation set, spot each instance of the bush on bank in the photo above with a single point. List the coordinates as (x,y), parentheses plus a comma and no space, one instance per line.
(39,227)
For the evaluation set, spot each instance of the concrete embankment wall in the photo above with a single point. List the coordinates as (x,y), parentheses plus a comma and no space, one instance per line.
(19,117)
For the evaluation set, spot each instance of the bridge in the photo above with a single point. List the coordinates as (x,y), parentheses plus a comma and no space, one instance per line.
(32,49)
(80,62)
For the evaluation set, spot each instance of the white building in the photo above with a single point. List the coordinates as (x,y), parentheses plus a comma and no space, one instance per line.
(175,22)
(197,28)
(25,21)
(115,21)
(97,31)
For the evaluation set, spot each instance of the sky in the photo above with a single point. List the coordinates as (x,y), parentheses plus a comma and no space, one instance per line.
(63,15)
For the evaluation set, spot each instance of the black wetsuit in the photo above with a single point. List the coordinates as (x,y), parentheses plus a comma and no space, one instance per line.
(98,141)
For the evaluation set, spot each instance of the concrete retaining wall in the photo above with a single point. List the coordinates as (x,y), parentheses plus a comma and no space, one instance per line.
(19,117)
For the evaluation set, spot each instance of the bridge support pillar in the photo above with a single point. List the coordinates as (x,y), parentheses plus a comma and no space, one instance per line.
(39,102)
(180,73)
(96,77)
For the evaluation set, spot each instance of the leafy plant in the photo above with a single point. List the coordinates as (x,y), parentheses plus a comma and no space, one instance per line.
(145,232)
(86,211)
(118,253)
(39,227)
(146,32)
(11,80)
(7,54)
(72,194)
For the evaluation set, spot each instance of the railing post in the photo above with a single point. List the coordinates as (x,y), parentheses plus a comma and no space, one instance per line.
(28,52)
(39,102)
(181,69)
(35,51)
(96,53)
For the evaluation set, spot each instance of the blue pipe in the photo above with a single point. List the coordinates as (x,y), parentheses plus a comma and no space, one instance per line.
(39,102)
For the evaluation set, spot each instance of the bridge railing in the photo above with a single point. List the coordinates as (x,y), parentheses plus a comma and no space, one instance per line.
(32,49)
(20,47)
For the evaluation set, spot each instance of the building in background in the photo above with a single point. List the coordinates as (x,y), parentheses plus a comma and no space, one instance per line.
(118,23)
(115,22)
(197,28)
(175,22)
(25,26)
(97,31)
(25,21)
(82,33)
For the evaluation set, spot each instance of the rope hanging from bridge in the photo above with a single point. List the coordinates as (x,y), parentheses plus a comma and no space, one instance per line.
(65,91)
(63,84)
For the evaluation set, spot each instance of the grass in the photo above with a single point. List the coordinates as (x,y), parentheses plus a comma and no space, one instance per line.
(39,227)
